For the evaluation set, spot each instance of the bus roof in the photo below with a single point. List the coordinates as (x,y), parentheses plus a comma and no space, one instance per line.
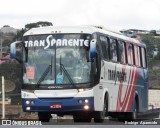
(81,29)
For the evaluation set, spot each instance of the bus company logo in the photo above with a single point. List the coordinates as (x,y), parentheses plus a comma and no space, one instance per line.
(49,41)
(6,122)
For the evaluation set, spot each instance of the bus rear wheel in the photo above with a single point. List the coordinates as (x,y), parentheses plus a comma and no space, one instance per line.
(44,116)
(134,113)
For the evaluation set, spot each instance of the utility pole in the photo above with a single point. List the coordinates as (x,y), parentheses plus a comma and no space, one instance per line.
(3,98)
(1,48)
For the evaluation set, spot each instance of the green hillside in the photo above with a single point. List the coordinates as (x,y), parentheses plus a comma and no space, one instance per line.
(153,42)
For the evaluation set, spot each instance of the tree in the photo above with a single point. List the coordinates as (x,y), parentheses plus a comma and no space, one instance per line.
(153,32)
(6,42)
(29,26)
(19,35)
(38,24)
(6,26)
(149,40)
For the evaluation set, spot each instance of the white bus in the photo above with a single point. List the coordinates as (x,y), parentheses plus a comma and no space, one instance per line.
(85,71)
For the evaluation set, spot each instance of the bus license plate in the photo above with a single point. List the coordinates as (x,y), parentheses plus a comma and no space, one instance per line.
(55,106)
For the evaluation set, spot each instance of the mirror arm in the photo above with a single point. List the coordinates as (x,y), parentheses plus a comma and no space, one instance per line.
(18,60)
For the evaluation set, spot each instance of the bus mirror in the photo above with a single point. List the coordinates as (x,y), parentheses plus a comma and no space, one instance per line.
(16,51)
(92,49)
(13,50)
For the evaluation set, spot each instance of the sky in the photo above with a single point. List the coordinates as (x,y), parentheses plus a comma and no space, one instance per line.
(116,14)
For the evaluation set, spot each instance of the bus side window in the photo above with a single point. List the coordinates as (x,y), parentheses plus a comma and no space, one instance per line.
(143,54)
(104,45)
(130,53)
(137,56)
(122,52)
(113,50)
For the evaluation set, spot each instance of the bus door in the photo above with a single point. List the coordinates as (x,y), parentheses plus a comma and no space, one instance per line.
(145,79)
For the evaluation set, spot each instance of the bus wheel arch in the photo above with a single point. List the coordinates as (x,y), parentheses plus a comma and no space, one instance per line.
(99,116)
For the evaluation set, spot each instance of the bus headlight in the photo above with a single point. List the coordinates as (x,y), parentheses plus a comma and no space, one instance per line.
(32,102)
(86,100)
(28,102)
(80,101)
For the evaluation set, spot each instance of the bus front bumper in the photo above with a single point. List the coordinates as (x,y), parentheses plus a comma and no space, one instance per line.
(58,104)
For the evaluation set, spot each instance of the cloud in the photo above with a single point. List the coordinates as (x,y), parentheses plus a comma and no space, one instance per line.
(140,14)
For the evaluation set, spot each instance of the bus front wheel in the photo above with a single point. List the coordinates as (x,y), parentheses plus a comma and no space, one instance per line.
(82,117)
(44,116)
(100,115)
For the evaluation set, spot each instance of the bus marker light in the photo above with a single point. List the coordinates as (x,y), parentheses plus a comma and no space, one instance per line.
(81,90)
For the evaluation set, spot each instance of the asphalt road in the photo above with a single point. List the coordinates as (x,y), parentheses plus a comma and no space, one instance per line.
(67,122)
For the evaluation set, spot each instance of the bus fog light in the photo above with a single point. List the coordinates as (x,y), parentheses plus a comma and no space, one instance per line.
(86,100)
(28,108)
(27,102)
(86,107)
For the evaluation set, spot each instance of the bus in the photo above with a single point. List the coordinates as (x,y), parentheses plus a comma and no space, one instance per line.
(85,71)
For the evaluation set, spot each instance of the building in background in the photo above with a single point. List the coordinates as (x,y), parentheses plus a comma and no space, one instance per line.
(134,32)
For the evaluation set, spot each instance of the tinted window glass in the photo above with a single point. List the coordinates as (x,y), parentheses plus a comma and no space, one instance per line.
(137,55)
(122,56)
(104,44)
(113,50)
(143,51)
(130,54)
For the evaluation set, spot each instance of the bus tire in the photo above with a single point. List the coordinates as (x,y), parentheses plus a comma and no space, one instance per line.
(82,117)
(100,115)
(134,113)
(44,116)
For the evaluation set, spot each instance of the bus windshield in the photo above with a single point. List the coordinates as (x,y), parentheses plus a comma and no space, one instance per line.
(46,54)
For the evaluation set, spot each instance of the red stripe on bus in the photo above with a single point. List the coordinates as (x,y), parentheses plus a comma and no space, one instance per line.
(121,104)
(133,90)
(120,91)
(129,91)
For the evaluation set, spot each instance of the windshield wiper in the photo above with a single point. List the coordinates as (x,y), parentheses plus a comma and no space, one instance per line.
(49,68)
(43,75)
(67,74)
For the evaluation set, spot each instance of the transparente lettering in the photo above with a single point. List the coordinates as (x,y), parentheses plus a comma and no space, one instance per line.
(58,42)
(41,43)
(48,42)
(36,43)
